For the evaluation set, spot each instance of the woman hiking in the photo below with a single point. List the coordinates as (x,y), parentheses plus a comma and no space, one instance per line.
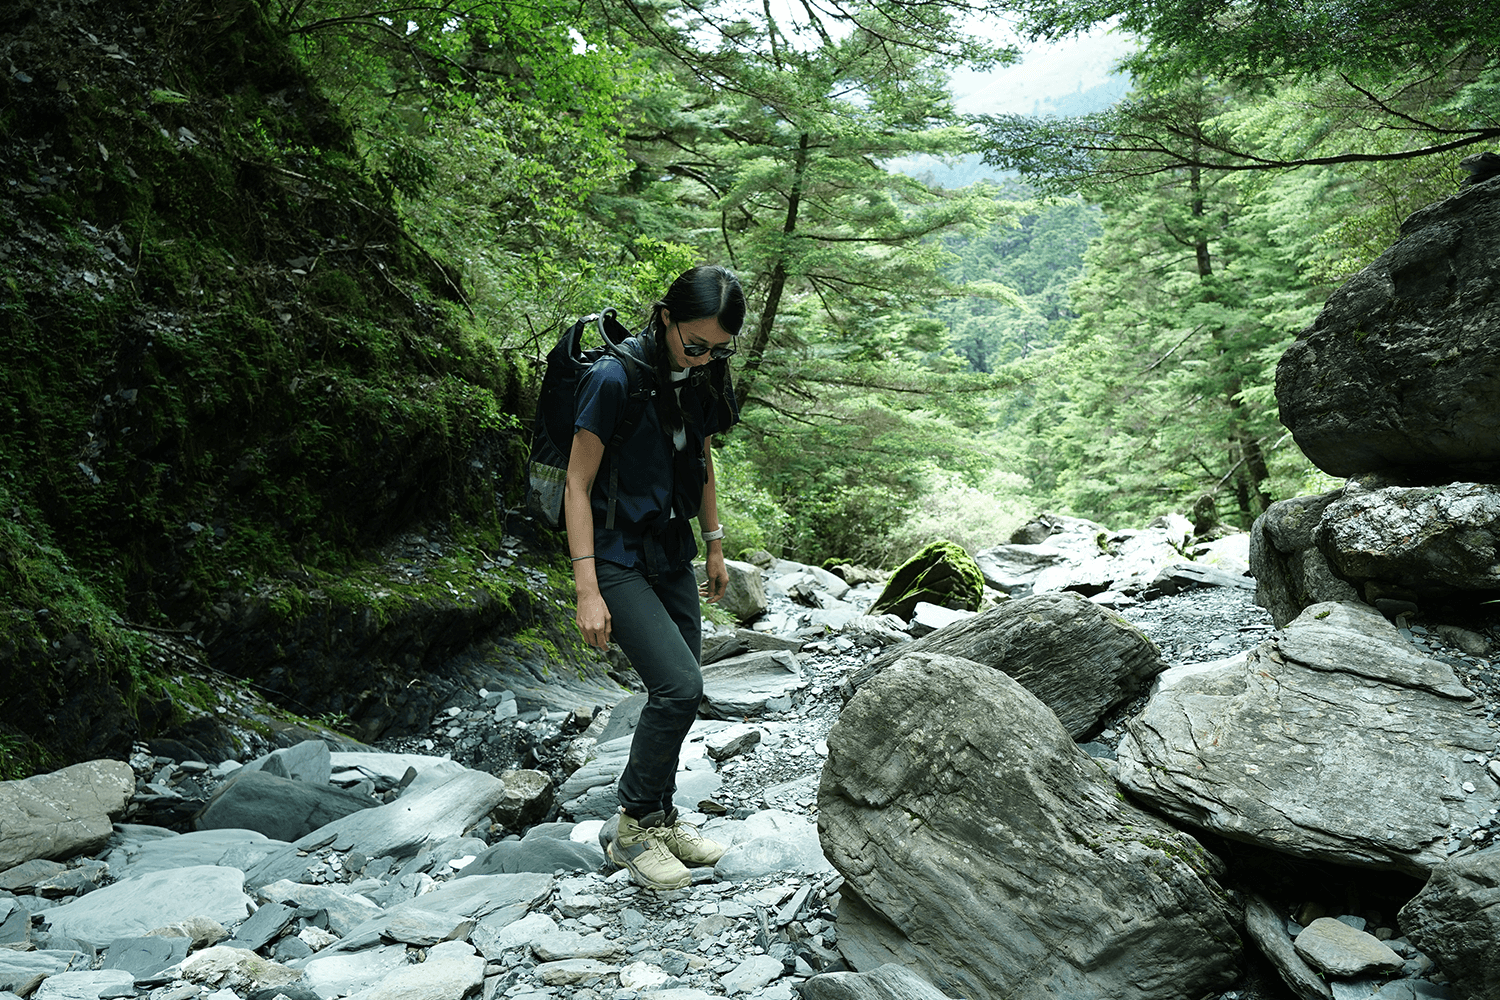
(628,511)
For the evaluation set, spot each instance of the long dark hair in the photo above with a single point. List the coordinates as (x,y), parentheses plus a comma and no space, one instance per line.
(699,292)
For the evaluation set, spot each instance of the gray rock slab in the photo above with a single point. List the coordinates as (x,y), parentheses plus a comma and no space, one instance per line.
(236,969)
(1267,929)
(574,971)
(346,910)
(1455,920)
(264,926)
(743,685)
(559,945)
(477,897)
(145,958)
(1081,660)
(744,640)
(494,938)
(342,973)
(887,982)
(25,877)
(423,928)
(737,739)
(981,848)
(131,907)
(772,842)
(745,597)
(308,761)
(432,809)
(282,808)
(86,985)
(541,854)
(752,974)
(1319,762)
(1323,636)
(1179,576)
(354,765)
(142,855)
(1334,947)
(63,813)
(451,969)
(21,971)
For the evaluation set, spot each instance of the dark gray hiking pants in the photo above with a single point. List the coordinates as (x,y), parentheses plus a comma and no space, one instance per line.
(659,628)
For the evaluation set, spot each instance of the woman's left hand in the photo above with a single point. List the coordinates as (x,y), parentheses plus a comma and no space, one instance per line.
(718,576)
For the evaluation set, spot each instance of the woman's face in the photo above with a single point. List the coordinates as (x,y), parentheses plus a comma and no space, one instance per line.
(695,333)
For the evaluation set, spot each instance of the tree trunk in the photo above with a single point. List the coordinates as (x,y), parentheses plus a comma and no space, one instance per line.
(762,335)
(1250,491)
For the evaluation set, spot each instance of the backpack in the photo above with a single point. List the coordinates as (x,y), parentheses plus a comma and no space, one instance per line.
(552,429)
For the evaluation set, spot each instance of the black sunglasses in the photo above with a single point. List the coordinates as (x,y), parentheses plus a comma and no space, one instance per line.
(698,350)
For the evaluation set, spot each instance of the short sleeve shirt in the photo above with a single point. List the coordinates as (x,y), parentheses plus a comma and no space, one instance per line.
(657,488)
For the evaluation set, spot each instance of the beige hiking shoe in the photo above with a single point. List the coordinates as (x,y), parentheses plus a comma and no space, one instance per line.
(640,845)
(688,845)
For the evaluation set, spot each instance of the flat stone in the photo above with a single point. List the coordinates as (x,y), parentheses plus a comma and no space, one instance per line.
(451,970)
(24,877)
(87,985)
(494,937)
(282,808)
(434,807)
(561,945)
(343,973)
(142,903)
(572,972)
(345,910)
(541,854)
(141,850)
(264,926)
(752,974)
(63,813)
(426,927)
(743,685)
(1334,947)
(145,957)
(235,968)
(308,761)
(773,841)
(21,971)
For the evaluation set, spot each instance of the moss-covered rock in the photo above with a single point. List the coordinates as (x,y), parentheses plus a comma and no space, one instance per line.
(942,573)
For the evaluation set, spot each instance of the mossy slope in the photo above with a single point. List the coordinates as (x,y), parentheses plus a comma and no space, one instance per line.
(224,361)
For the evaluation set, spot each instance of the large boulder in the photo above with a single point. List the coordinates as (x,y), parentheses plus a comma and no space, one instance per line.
(1080,659)
(1290,572)
(1455,920)
(1336,740)
(280,808)
(942,573)
(1426,541)
(439,803)
(1424,544)
(1401,370)
(983,850)
(745,597)
(63,813)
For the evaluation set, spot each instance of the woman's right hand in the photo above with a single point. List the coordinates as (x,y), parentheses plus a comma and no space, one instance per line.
(593,620)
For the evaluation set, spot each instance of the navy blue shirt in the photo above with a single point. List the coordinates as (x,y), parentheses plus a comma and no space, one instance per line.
(658,486)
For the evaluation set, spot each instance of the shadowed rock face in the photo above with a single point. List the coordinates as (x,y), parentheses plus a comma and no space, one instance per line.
(984,850)
(1400,373)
